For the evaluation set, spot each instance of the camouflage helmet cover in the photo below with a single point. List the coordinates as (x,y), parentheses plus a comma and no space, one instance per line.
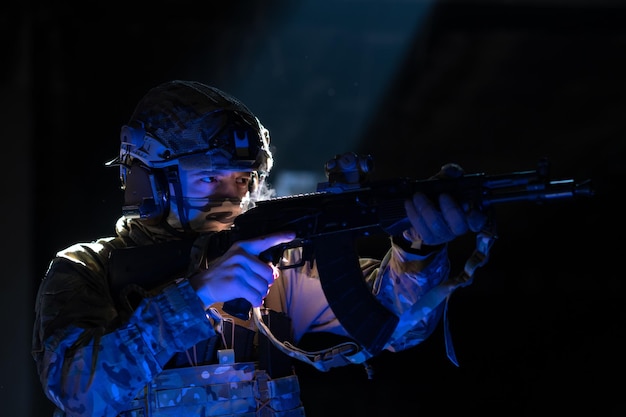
(192,124)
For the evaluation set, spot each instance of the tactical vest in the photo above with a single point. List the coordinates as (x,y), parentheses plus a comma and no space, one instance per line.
(224,389)
(247,378)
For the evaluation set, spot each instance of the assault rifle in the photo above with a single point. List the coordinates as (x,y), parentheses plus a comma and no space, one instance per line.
(328,222)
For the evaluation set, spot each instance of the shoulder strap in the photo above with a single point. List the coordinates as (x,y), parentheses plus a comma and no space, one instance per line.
(323,360)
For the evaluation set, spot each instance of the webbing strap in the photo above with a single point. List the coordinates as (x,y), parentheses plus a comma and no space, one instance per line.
(484,242)
(323,360)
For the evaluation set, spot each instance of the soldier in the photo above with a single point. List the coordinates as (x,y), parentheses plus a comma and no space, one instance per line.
(135,324)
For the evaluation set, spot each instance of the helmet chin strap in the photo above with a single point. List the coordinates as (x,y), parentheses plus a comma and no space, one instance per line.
(174,179)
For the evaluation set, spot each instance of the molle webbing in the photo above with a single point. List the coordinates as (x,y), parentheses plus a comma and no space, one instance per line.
(235,389)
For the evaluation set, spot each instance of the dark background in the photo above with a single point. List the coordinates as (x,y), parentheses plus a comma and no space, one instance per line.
(493,86)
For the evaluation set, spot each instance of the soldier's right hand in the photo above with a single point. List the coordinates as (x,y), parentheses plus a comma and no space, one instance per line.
(239,272)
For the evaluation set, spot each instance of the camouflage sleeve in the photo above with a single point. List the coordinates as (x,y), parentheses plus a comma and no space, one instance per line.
(398,282)
(88,364)
(401,279)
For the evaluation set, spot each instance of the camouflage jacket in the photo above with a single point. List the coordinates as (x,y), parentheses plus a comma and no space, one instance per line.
(94,356)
